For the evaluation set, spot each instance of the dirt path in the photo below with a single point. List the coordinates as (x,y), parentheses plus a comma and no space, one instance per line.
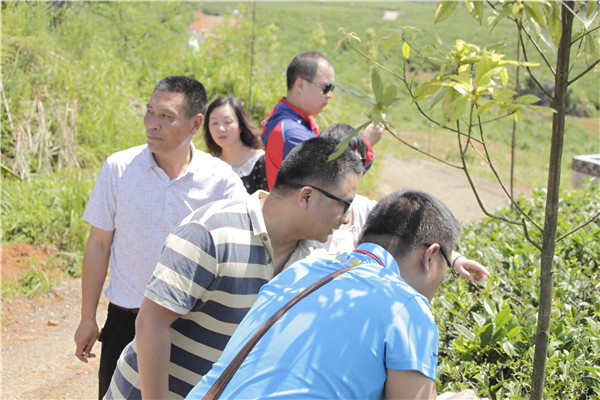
(448,184)
(37,335)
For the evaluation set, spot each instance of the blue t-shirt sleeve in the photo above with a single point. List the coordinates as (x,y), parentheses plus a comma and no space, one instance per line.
(412,339)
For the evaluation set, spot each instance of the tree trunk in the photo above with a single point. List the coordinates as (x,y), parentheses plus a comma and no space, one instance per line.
(552,197)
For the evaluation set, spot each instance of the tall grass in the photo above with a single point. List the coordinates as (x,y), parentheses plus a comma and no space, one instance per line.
(76,79)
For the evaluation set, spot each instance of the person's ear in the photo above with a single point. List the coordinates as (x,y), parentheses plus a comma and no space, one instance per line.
(304,197)
(198,118)
(427,254)
(299,84)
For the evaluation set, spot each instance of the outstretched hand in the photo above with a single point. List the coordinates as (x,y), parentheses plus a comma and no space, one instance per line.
(471,269)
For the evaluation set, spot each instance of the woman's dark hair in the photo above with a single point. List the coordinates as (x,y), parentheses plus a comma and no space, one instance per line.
(249,134)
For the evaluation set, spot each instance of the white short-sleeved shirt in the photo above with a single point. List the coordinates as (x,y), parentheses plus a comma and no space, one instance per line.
(137,200)
(345,239)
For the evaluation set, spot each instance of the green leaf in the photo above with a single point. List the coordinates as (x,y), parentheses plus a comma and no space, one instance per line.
(444,10)
(475,9)
(405,50)
(377,85)
(470,336)
(509,349)
(533,11)
(488,308)
(459,108)
(513,332)
(554,24)
(389,96)
(527,99)
(485,335)
(591,381)
(425,90)
(503,317)
(341,147)
(591,49)
(482,68)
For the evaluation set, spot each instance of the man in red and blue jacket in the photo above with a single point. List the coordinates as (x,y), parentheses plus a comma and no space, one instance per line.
(310,78)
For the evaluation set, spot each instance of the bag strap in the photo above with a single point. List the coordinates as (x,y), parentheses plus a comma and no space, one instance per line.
(215,391)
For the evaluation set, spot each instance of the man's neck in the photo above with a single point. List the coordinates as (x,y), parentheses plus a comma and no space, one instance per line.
(174,164)
(293,100)
(283,241)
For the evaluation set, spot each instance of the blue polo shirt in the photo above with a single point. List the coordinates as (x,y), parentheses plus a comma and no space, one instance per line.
(339,341)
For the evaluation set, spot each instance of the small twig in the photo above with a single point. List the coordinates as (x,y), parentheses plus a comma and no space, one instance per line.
(579,227)
(422,151)
(539,50)
(530,73)
(529,239)
(585,71)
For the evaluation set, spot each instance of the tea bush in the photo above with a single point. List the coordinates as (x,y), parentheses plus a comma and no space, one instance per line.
(487,332)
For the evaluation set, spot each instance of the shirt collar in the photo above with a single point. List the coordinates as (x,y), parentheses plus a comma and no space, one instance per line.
(382,254)
(151,162)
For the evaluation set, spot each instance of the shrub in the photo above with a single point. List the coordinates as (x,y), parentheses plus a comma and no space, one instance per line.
(487,333)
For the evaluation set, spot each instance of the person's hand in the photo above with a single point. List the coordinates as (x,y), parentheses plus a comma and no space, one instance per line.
(85,337)
(373,133)
(470,269)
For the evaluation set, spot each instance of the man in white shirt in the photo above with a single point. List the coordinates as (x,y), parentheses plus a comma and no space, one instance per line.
(140,195)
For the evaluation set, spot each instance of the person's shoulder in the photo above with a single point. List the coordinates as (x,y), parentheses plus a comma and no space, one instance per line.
(128,155)
(215,213)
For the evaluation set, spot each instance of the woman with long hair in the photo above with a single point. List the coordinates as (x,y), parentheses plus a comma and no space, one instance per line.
(230,135)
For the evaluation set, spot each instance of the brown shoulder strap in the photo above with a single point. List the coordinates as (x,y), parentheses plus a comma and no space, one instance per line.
(216,389)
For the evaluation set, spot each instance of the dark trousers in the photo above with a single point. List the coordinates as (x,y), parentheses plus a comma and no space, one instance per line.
(117,333)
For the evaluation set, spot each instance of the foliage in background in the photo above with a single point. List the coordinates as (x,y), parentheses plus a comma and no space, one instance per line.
(487,333)
(47,210)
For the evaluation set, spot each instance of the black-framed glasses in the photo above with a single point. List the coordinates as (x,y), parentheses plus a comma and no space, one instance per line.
(452,273)
(325,88)
(325,193)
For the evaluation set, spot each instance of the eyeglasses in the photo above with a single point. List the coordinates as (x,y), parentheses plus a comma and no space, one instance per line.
(452,273)
(328,87)
(345,203)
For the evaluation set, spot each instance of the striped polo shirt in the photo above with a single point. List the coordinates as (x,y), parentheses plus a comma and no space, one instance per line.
(210,271)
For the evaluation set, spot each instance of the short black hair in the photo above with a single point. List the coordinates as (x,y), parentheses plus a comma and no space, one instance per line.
(405,220)
(249,133)
(304,65)
(194,95)
(340,132)
(308,164)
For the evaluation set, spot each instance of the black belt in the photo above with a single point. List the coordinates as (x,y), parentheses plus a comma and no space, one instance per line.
(133,311)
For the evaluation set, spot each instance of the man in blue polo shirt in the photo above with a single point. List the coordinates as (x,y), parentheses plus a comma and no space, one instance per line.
(366,334)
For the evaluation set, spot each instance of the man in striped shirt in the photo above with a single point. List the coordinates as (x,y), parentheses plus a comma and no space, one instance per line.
(214,263)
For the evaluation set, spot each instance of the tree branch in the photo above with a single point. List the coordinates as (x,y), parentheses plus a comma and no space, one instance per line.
(530,73)
(421,151)
(539,50)
(529,239)
(588,69)
(579,227)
